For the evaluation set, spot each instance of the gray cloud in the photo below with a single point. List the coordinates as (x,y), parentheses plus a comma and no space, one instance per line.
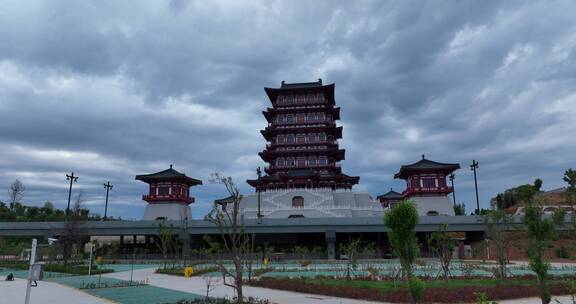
(113,89)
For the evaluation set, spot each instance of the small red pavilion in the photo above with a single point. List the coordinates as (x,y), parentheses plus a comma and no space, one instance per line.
(169,194)
(426,178)
(425,186)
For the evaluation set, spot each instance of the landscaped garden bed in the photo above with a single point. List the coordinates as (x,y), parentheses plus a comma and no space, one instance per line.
(179,271)
(436,291)
(60,268)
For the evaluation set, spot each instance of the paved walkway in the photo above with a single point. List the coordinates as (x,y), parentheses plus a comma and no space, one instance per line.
(46,292)
(198,286)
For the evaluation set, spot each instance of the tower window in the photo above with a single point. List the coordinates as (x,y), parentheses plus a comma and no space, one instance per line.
(280,139)
(301,162)
(280,162)
(311,137)
(290,138)
(322,161)
(301,138)
(312,161)
(290,162)
(322,137)
(297,202)
(311,117)
(163,191)
(429,183)
(300,117)
(321,116)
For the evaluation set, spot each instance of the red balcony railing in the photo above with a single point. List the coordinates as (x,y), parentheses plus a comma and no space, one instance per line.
(163,198)
(433,190)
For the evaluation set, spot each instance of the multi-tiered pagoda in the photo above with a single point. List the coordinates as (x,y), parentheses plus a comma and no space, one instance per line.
(303,138)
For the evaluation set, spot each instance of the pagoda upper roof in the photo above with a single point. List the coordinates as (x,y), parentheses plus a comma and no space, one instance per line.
(305,173)
(168,174)
(425,165)
(302,86)
(390,195)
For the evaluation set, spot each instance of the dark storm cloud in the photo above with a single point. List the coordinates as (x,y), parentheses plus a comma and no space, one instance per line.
(111,89)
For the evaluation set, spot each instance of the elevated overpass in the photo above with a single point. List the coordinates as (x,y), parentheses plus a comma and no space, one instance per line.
(262,226)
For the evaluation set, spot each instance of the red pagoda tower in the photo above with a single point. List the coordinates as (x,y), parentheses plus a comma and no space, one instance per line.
(169,194)
(303,138)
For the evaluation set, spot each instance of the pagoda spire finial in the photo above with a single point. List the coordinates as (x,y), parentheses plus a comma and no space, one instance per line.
(170,166)
(423,156)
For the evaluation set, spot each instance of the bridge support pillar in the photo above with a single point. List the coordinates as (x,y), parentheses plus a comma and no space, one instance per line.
(331,244)
(121,240)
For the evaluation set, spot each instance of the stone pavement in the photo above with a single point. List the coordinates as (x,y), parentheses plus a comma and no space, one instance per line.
(197,285)
(46,292)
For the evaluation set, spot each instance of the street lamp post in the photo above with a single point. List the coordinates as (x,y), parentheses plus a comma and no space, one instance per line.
(473,167)
(72,179)
(259,173)
(452,176)
(108,188)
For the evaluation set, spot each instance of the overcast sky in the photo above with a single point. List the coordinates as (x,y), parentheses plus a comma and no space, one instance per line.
(111,89)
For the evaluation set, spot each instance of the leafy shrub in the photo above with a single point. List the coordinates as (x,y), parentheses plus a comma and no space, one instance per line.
(562,252)
(248,300)
(467,294)
(179,271)
(416,288)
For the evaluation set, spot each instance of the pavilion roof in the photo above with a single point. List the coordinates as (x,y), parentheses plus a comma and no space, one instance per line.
(426,165)
(302,86)
(390,195)
(168,174)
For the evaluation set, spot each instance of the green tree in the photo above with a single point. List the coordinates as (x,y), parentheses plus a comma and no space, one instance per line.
(541,231)
(443,244)
(351,250)
(497,223)
(460,209)
(235,240)
(401,221)
(166,237)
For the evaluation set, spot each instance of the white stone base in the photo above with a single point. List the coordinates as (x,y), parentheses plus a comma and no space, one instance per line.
(433,205)
(318,203)
(168,211)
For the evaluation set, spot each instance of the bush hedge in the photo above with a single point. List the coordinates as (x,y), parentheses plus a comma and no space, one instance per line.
(402,294)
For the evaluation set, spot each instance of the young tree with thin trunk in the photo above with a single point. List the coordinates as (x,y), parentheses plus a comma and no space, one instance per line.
(71,235)
(351,250)
(443,244)
(497,223)
(401,221)
(165,238)
(235,241)
(16,193)
(541,231)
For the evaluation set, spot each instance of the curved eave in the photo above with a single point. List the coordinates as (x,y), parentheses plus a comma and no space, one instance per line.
(328,90)
(268,156)
(188,180)
(407,172)
(269,132)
